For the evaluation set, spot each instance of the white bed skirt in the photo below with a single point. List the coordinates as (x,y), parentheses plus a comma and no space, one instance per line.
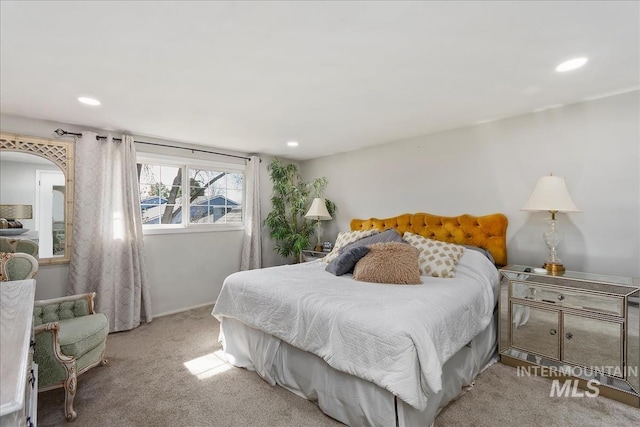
(348,399)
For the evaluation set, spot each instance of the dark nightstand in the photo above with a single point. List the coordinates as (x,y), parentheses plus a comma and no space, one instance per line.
(310,255)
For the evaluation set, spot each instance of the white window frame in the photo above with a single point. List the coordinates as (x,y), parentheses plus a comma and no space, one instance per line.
(186,163)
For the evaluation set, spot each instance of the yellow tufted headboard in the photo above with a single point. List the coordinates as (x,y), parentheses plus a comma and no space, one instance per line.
(488,232)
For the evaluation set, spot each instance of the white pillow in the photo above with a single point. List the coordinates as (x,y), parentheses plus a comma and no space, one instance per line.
(344,238)
(437,259)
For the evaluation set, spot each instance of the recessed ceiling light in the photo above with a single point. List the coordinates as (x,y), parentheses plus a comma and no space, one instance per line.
(89,101)
(571,64)
(292,144)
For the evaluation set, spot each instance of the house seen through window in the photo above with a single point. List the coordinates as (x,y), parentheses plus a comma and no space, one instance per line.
(183,195)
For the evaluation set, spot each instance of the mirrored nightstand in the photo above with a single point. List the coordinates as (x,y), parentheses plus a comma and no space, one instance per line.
(585,324)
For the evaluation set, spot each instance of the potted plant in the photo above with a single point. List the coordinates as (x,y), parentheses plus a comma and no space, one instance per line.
(290,201)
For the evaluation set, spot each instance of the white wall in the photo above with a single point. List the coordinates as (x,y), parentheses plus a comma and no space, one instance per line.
(185,270)
(493,167)
(479,169)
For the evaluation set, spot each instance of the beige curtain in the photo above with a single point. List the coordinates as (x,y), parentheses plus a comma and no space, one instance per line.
(107,245)
(252,242)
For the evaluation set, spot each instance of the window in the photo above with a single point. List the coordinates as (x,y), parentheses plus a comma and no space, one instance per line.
(210,198)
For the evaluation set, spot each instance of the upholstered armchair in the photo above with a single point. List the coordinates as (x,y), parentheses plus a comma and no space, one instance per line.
(17,266)
(19,245)
(71,338)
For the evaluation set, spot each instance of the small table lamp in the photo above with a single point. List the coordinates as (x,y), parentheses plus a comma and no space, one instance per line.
(319,212)
(551,194)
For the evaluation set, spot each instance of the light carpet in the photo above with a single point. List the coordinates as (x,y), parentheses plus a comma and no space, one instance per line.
(166,374)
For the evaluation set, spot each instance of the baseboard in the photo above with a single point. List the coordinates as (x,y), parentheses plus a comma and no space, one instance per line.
(180,310)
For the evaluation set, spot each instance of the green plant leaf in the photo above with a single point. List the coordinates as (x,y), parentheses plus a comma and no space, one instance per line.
(290,201)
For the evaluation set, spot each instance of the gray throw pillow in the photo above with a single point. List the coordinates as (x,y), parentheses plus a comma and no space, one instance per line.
(482,251)
(387,236)
(345,262)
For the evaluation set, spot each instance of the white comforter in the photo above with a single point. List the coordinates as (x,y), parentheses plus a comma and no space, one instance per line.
(396,336)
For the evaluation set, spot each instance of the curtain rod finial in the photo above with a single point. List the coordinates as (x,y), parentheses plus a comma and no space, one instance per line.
(62,132)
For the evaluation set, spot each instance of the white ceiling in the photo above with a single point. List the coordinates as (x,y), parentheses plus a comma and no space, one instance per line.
(334,76)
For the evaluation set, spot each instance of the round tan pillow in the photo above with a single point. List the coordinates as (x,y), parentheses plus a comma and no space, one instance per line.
(392,262)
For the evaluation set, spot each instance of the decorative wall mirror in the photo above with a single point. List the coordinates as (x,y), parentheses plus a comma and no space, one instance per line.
(37,182)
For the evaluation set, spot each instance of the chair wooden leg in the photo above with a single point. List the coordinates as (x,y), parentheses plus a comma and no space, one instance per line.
(70,385)
(103,359)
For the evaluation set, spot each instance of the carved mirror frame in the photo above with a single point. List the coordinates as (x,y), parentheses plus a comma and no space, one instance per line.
(59,153)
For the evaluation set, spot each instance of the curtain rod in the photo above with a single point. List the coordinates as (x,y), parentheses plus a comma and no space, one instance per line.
(61,132)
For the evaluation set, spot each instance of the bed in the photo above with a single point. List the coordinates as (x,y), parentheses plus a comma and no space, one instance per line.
(371,353)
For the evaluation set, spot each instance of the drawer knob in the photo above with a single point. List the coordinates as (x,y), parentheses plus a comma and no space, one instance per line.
(569,335)
(553,331)
(560,297)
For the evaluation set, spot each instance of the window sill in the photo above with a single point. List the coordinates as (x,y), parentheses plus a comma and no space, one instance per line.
(184,230)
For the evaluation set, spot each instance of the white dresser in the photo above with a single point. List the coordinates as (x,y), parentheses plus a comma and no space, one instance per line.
(19,385)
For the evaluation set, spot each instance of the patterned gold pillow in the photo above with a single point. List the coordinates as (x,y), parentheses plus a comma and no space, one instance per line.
(437,259)
(344,238)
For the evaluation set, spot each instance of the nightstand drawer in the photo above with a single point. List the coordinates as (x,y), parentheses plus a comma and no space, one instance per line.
(605,304)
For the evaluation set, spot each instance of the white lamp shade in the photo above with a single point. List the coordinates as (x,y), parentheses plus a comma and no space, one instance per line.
(551,194)
(318,210)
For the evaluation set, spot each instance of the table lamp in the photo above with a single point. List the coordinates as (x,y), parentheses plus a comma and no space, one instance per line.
(319,212)
(551,194)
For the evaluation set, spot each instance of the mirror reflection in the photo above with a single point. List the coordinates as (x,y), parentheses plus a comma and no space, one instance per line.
(28,180)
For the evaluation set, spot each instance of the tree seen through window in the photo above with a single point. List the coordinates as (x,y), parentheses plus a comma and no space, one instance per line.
(215,197)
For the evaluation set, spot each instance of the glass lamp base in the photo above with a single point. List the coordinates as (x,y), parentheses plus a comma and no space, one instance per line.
(318,247)
(554,268)
(553,238)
